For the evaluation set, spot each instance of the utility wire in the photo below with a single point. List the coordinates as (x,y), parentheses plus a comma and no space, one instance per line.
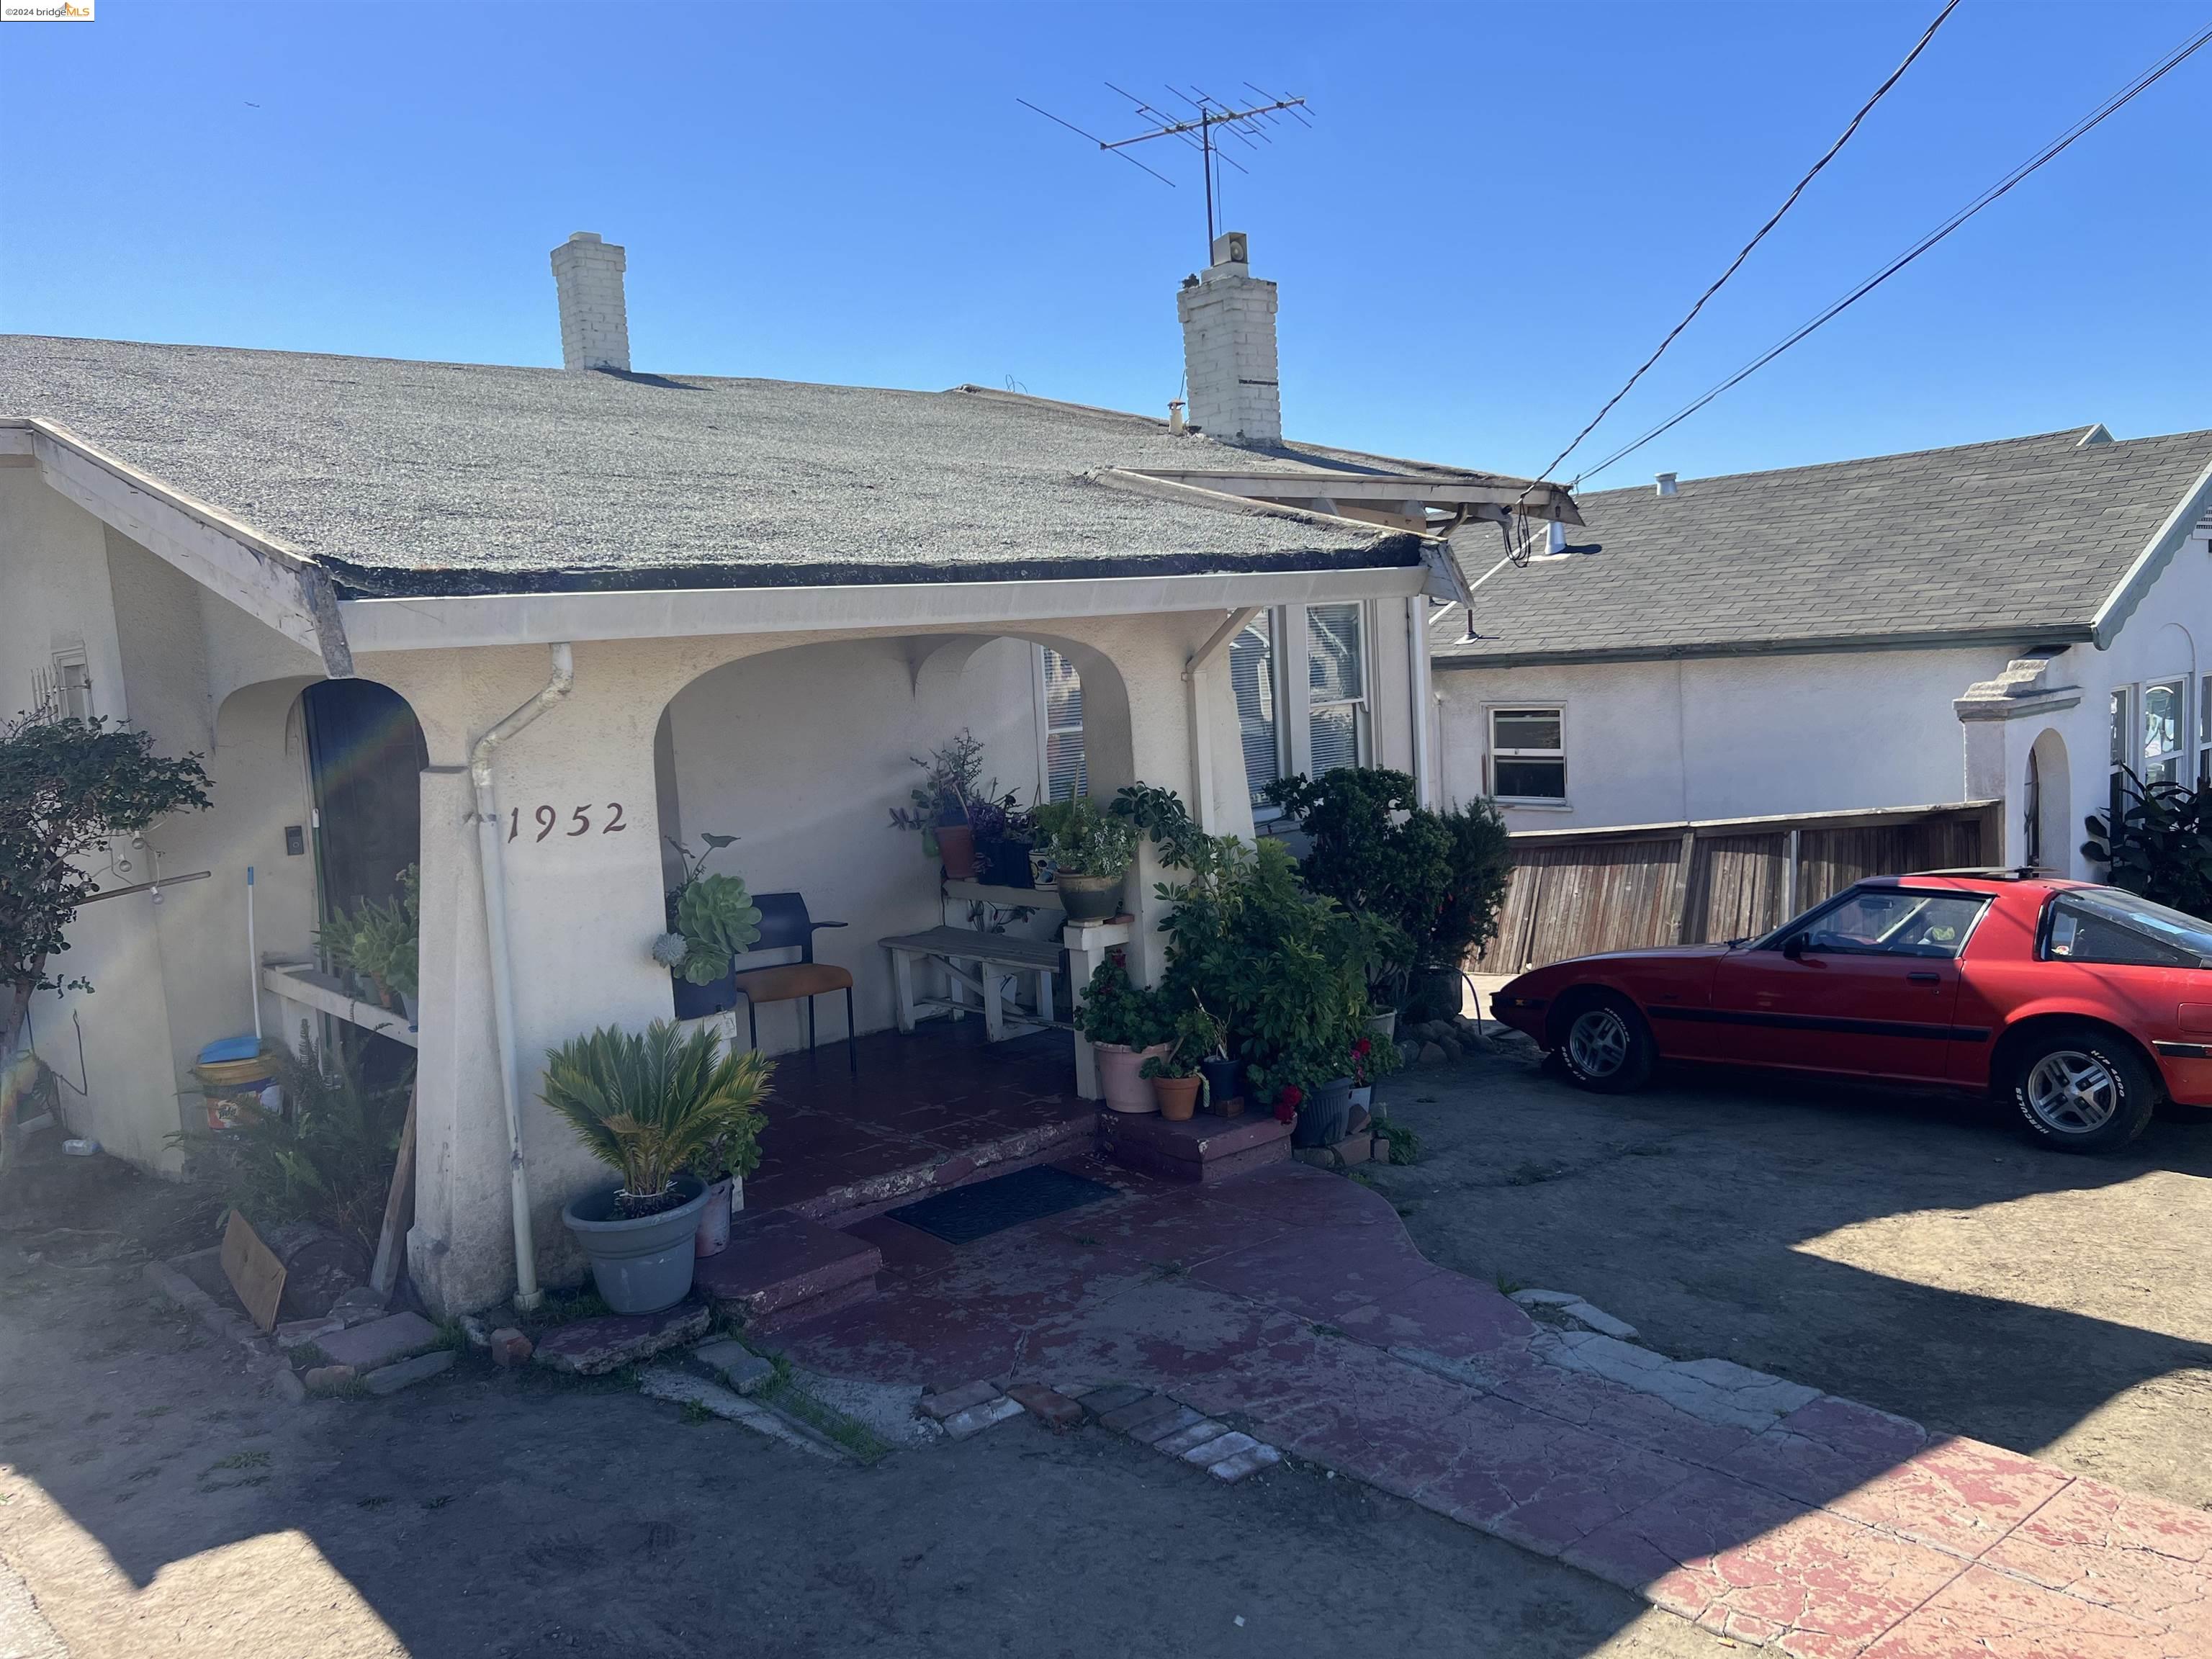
(2080,129)
(1737,263)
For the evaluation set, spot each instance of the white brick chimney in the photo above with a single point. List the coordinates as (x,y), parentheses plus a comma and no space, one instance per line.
(594,322)
(1228,348)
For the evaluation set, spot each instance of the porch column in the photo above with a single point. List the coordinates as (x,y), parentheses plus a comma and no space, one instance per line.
(579,838)
(460,1251)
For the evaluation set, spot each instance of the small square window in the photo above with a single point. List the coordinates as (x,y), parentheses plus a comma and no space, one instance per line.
(1527,754)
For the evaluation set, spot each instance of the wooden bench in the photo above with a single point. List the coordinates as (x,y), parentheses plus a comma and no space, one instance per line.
(975,963)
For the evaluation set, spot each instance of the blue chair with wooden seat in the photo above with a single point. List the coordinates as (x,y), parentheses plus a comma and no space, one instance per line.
(784,926)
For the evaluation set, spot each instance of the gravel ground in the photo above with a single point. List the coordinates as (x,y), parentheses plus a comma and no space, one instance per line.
(152,1501)
(1902,1249)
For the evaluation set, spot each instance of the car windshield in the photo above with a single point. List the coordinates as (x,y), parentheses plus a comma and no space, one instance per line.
(2105,924)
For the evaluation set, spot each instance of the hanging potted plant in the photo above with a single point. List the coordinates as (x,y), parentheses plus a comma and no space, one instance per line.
(1126,1027)
(1091,853)
(651,1105)
(945,803)
(712,919)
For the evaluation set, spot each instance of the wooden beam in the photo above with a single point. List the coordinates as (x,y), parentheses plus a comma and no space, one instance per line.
(1544,501)
(391,1237)
(273,583)
(1232,626)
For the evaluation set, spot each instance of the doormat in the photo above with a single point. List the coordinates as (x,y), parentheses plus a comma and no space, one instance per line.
(983,1208)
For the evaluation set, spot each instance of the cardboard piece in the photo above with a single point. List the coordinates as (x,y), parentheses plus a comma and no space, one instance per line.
(253,1271)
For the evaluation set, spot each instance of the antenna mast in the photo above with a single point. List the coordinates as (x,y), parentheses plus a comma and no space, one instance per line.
(1215,118)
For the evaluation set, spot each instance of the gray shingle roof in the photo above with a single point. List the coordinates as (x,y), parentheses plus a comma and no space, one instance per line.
(2012,538)
(417,477)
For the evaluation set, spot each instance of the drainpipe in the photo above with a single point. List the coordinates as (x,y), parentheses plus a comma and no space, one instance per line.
(492,863)
(1417,671)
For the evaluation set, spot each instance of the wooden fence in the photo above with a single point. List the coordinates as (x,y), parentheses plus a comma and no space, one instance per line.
(1576,892)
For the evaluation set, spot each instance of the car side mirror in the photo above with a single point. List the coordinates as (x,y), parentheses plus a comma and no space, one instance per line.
(1793,947)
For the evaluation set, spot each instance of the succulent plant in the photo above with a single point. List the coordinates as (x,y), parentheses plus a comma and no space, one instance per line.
(718,920)
(669,949)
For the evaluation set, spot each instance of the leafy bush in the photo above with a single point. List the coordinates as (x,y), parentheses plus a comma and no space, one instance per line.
(2161,846)
(327,1159)
(66,787)
(1428,883)
(653,1104)
(1115,1011)
(952,790)
(1278,965)
(1081,841)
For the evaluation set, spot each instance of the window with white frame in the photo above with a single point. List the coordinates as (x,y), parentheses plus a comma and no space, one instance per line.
(2205,732)
(1336,675)
(2123,741)
(1252,682)
(2165,732)
(1060,726)
(1528,754)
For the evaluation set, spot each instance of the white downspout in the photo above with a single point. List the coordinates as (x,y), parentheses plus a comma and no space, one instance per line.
(1417,672)
(492,864)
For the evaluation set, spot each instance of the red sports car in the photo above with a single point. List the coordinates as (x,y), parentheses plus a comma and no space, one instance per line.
(2086,1005)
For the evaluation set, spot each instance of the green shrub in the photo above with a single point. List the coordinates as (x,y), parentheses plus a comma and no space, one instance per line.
(2161,846)
(327,1159)
(1115,1011)
(1080,839)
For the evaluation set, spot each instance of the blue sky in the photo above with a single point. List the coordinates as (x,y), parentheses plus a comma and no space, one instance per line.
(1498,212)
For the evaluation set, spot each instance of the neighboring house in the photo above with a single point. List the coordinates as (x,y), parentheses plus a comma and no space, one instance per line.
(2001,622)
(737,606)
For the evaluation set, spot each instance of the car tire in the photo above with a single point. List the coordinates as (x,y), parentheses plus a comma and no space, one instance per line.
(2081,1089)
(1604,1046)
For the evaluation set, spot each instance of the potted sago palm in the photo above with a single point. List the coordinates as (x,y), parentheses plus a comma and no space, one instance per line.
(650,1105)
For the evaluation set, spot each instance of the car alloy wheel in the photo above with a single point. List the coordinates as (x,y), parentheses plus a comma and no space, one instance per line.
(2073,1093)
(1598,1043)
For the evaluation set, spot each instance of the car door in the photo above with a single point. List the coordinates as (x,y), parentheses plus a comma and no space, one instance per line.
(1866,986)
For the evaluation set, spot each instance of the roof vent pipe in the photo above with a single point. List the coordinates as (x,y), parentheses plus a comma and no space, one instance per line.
(1668,485)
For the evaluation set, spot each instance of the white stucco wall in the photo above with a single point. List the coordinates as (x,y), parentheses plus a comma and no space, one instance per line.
(1728,737)
(1739,736)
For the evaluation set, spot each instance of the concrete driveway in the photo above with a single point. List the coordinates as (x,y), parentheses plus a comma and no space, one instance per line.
(1903,1250)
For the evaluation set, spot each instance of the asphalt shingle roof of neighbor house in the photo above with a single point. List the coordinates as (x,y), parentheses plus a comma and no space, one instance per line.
(409,478)
(2024,536)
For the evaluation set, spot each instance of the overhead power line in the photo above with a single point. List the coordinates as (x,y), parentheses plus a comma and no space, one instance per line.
(2056,148)
(1737,263)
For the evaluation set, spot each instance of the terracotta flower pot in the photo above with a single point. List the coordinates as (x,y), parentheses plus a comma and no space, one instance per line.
(956,844)
(1121,1078)
(1177,1096)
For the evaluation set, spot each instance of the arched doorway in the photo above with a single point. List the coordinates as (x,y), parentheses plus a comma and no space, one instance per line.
(2044,806)
(365,756)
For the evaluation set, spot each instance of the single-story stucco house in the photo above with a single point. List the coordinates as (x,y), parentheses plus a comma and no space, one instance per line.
(1947,655)
(644,606)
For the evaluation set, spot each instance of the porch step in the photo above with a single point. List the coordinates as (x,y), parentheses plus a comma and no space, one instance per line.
(781,1266)
(1204,1149)
(858,1200)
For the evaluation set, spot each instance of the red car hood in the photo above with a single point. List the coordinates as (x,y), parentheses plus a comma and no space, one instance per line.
(1536,980)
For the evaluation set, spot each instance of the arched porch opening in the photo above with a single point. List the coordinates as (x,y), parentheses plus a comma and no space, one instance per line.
(801,753)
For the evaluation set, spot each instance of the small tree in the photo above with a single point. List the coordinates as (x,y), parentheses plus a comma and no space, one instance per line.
(67,787)
(2161,846)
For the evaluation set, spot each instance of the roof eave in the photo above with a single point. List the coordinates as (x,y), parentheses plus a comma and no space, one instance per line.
(2173,532)
(2052,633)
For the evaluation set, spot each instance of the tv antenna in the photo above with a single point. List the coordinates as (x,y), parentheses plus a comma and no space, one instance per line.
(1213,120)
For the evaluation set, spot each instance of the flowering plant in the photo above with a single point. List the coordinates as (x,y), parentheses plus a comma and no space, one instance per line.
(1287,1102)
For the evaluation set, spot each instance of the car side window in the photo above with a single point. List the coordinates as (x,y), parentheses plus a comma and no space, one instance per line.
(1895,921)
(2079,933)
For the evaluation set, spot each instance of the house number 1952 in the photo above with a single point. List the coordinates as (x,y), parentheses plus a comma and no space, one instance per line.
(547,819)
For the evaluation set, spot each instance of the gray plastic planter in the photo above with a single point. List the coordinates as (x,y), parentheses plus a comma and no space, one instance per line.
(644,1265)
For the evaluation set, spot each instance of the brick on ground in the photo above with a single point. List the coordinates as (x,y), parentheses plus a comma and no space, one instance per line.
(390,1379)
(1203,1433)
(1047,1405)
(736,1364)
(380,1342)
(1250,1460)
(1147,1409)
(1159,1428)
(1111,1397)
(953,1401)
(976,1418)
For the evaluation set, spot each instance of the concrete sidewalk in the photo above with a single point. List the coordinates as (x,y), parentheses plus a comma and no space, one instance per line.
(1292,1303)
